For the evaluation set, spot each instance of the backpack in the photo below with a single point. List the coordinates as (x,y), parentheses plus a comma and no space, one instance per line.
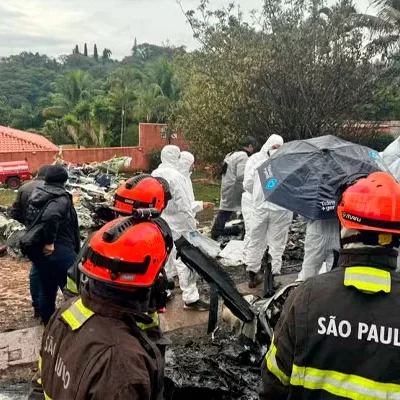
(32,242)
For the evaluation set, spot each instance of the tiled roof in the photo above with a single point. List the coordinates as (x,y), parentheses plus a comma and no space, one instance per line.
(13,140)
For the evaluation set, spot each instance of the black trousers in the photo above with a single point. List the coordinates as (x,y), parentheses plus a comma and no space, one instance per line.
(219,229)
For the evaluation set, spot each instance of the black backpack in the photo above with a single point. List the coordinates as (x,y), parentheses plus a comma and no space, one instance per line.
(32,242)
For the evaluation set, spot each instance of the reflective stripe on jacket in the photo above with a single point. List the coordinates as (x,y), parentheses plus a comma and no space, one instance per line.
(91,351)
(339,334)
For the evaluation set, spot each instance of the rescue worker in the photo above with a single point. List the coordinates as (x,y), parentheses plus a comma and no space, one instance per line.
(273,143)
(141,191)
(95,345)
(232,187)
(18,212)
(338,335)
(185,167)
(270,223)
(61,236)
(180,218)
(322,239)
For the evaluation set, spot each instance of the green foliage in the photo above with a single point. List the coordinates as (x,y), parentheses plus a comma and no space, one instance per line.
(154,157)
(300,72)
(368,137)
(95,53)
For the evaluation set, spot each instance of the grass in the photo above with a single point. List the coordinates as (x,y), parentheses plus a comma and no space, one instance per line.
(7,197)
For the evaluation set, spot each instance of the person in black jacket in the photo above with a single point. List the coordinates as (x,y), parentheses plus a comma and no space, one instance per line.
(61,236)
(18,212)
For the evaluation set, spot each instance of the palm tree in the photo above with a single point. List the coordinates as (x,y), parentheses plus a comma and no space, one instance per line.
(69,91)
(385,26)
(123,82)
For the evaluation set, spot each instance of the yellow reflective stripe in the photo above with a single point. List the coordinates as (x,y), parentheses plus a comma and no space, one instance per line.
(46,396)
(368,279)
(71,285)
(76,315)
(39,380)
(272,365)
(156,322)
(343,385)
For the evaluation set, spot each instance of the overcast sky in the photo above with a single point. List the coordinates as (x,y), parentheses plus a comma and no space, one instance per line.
(54,27)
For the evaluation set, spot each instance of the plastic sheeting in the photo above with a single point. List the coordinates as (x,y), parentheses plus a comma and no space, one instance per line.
(205,244)
(232,254)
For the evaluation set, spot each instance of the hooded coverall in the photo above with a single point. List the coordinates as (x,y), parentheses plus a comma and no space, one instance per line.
(231,193)
(249,173)
(179,216)
(185,164)
(270,223)
(322,237)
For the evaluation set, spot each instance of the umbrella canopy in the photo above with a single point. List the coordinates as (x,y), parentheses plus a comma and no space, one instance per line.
(304,176)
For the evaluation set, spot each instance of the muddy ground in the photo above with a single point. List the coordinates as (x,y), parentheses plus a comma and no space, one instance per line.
(15,303)
(216,369)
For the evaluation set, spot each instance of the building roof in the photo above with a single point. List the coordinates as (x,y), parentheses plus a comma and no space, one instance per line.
(13,140)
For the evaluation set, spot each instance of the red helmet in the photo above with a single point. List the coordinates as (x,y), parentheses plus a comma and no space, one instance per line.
(370,204)
(142,191)
(128,252)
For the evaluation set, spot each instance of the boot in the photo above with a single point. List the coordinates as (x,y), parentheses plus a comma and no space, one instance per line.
(255,279)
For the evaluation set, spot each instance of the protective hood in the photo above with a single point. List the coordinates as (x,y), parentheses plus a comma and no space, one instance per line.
(185,163)
(170,156)
(272,141)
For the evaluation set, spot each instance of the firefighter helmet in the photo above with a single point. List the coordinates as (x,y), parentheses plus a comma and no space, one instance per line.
(370,204)
(142,191)
(128,252)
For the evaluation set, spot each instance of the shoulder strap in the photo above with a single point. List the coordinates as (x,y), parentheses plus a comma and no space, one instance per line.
(39,215)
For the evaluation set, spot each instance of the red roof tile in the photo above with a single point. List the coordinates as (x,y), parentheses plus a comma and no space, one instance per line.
(13,140)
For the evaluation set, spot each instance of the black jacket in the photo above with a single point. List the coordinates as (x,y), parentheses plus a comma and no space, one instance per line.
(337,339)
(20,206)
(59,218)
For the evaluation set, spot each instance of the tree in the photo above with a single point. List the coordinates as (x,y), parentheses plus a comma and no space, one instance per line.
(76,50)
(95,53)
(303,74)
(123,83)
(135,46)
(106,54)
(69,90)
(85,51)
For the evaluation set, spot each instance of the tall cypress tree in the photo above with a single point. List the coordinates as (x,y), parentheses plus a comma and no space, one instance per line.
(76,50)
(85,52)
(134,48)
(95,53)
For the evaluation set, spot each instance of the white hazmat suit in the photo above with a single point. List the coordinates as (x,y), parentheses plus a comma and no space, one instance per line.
(249,174)
(185,164)
(322,237)
(179,216)
(269,225)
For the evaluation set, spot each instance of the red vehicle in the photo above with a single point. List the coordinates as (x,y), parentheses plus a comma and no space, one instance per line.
(13,173)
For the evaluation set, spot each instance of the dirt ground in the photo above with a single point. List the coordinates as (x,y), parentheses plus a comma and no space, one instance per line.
(15,302)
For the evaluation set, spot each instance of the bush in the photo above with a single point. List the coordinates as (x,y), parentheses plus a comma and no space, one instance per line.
(154,158)
(373,139)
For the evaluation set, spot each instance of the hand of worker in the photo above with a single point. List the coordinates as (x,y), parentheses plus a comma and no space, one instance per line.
(48,249)
(207,204)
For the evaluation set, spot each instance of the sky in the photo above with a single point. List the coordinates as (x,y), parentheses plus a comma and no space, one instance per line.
(53,27)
